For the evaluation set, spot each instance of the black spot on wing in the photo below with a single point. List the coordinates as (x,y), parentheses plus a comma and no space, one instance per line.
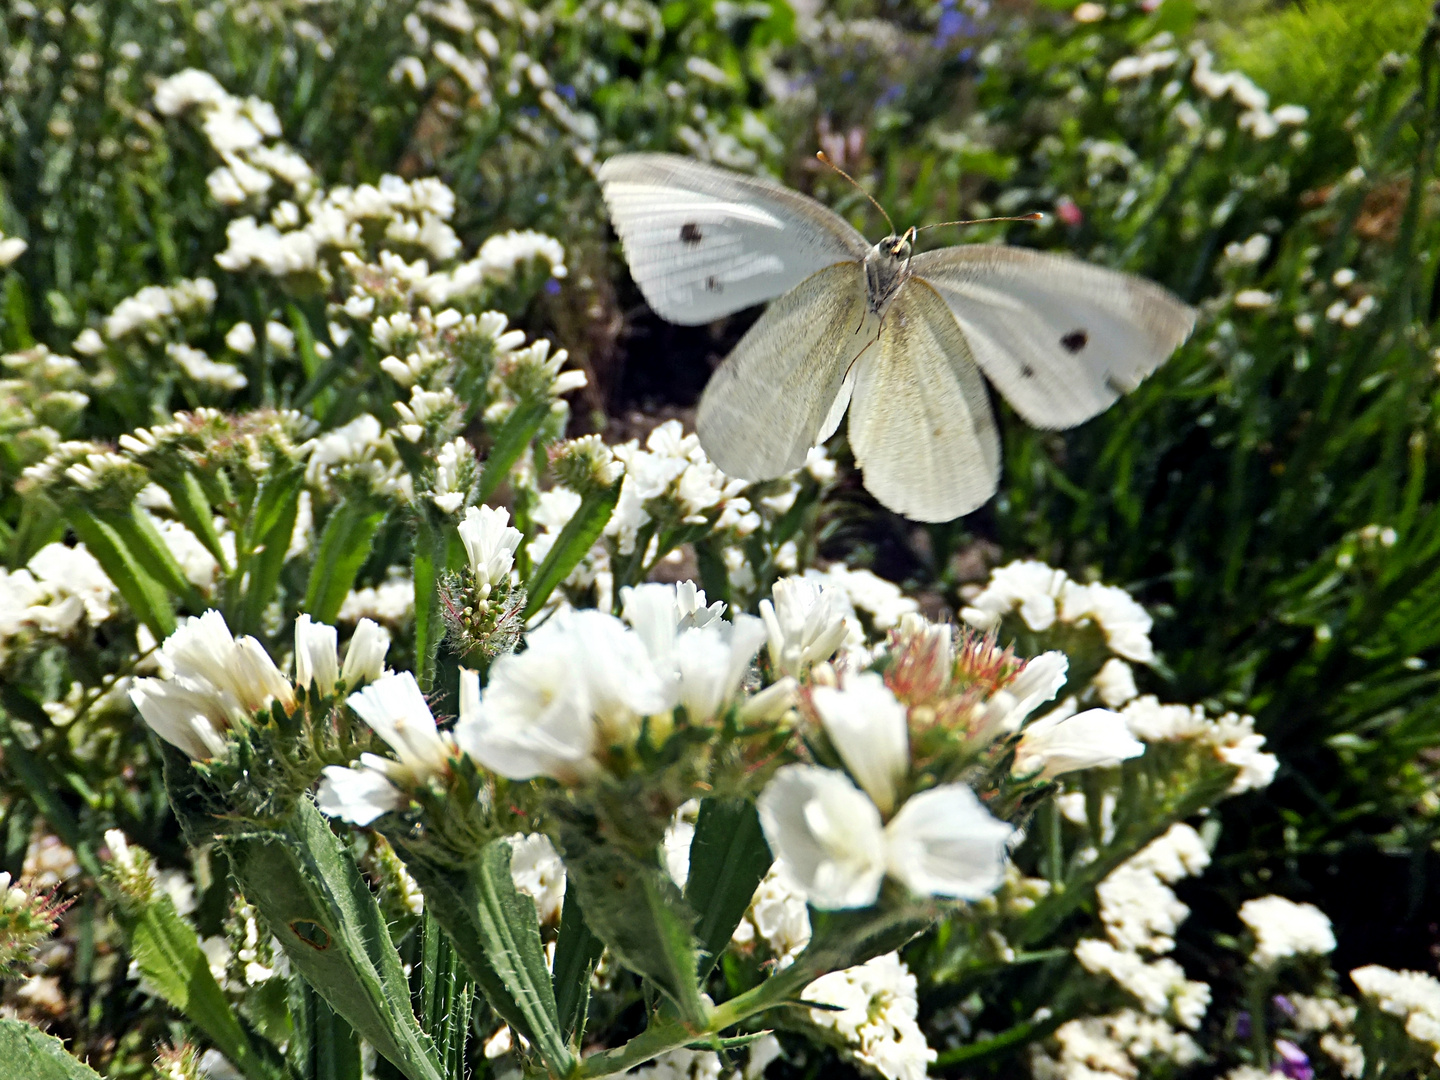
(1027,371)
(1075,340)
(712,284)
(690,233)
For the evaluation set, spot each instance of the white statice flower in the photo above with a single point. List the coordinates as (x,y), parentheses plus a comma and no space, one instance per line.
(1283,929)
(826,835)
(583,684)
(870,730)
(452,462)
(805,623)
(1139,910)
(155,307)
(59,588)
(499,255)
(681,1064)
(1159,985)
(883,599)
(1254,299)
(317,655)
(1057,744)
(194,558)
(1231,737)
(394,708)
(1411,995)
(778,916)
(679,835)
(241,338)
(215,682)
(538,872)
(490,542)
(876,1014)
(943,842)
(1006,710)
(1125,623)
(1115,682)
(199,367)
(392,602)
(1042,596)
(1120,1046)
(828,839)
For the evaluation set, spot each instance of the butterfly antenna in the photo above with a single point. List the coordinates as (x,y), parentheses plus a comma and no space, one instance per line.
(1037,216)
(826,160)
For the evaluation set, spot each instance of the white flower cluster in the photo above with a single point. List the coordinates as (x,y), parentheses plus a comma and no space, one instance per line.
(58,588)
(1156,56)
(1043,597)
(1232,737)
(1411,995)
(390,603)
(210,681)
(829,837)
(1113,1048)
(778,916)
(1141,914)
(1256,117)
(1283,929)
(245,133)
(151,312)
(876,1016)
(673,467)
(359,452)
(539,873)
(198,366)
(1332,1020)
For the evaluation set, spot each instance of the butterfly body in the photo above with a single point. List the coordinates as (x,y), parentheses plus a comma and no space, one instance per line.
(894,339)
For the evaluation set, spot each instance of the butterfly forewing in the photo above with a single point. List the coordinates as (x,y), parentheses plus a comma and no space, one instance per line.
(704,242)
(1059,338)
(920,422)
(765,407)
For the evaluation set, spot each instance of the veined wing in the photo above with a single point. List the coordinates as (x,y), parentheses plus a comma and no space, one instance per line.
(920,421)
(765,407)
(1061,339)
(703,242)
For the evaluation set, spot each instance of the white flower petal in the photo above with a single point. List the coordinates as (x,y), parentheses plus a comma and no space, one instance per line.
(943,842)
(825,834)
(870,730)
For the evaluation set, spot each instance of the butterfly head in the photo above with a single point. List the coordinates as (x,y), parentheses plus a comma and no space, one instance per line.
(898,247)
(886,268)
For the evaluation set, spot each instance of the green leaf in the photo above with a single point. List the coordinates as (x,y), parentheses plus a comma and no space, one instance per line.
(146,596)
(344,546)
(446,997)
(136,528)
(27,1053)
(272,527)
(193,509)
(167,951)
(638,911)
(428,565)
(306,884)
(728,857)
(577,951)
(512,440)
(495,930)
(40,779)
(324,1047)
(580,532)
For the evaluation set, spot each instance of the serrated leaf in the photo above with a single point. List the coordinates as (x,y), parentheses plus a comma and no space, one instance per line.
(306,885)
(496,932)
(575,539)
(639,912)
(344,546)
(512,440)
(728,858)
(577,951)
(167,951)
(27,1053)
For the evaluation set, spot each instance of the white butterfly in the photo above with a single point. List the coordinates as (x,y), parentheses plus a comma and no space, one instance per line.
(898,339)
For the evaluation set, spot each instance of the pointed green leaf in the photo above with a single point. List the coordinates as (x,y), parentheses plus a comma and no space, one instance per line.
(580,532)
(306,884)
(136,528)
(28,1052)
(273,526)
(324,1047)
(577,951)
(193,509)
(428,565)
(728,857)
(344,546)
(638,911)
(167,951)
(512,440)
(146,596)
(495,930)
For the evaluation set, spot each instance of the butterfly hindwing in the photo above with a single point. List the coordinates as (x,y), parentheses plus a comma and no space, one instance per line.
(921,426)
(703,242)
(1059,338)
(766,405)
